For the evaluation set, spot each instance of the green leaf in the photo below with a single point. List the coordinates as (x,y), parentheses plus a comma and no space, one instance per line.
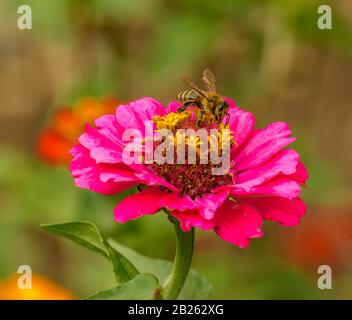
(87,234)
(143,287)
(82,232)
(124,270)
(126,262)
(196,287)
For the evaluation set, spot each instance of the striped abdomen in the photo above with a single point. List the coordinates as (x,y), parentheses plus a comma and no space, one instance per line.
(187,95)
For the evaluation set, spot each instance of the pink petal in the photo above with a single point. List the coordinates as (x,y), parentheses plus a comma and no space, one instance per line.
(285,163)
(286,212)
(87,174)
(173,106)
(206,206)
(191,218)
(237,223)
(241,124)
(138,204)
(134,114)
(150,179)
(279,186)
(209,203)
(118,175)
(102,149)
(263,145)
(173,201)
(109,127)
(301,174)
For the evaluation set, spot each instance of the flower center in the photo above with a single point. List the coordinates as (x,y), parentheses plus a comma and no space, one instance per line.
(194,178)
(191,179)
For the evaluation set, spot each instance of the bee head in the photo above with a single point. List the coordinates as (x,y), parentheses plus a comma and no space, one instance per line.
(223,107)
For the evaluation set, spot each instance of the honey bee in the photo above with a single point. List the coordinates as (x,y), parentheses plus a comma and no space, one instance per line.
(209,102)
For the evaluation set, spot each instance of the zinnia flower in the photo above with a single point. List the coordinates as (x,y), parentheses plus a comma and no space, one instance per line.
(55,141)
(264,181)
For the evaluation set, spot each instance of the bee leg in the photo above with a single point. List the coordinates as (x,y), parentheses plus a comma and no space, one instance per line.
(199,118)
(227,118)
(184,106)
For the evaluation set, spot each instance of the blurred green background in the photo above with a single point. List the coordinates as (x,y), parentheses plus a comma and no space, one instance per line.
(269,56)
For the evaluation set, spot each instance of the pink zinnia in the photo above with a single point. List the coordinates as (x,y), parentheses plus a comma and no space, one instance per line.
(264,182)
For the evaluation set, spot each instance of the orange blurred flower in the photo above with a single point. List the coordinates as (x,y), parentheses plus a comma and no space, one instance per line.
(325,237)
(42,289)
(55,141)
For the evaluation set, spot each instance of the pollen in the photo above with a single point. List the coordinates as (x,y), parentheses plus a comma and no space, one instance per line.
(172,120)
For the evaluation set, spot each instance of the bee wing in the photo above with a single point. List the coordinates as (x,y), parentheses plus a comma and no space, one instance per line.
(194,87)
(193,94)
(209,80)
(191,84)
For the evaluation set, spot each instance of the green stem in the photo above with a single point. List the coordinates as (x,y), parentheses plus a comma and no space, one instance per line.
(183,258)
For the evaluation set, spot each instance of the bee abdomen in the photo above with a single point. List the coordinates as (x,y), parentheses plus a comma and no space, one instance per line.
(187,95)
(183,96)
